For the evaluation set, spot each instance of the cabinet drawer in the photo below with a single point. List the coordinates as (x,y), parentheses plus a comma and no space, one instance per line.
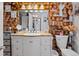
(16,40)
(6,42)
(45,41)
(7,48)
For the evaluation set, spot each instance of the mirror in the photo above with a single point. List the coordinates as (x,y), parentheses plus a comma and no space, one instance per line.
(24,19)
(34,20)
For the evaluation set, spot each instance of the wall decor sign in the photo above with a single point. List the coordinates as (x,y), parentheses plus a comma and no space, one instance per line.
(7,8)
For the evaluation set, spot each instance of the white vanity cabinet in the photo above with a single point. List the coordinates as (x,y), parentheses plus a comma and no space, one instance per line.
(39,45)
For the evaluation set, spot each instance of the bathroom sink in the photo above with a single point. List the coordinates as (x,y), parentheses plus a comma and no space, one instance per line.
(33,34)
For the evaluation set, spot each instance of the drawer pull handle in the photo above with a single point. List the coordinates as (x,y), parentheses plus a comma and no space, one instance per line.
(17,41)
(30,41)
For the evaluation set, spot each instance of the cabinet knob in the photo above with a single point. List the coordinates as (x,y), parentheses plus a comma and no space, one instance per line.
(45,48)
(16,48)
(30,41)
(17,41)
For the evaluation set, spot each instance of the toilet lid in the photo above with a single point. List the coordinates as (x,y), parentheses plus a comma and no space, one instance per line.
(69,52)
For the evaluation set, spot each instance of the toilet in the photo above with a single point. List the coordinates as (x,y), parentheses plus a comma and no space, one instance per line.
(54,53)
(61,43)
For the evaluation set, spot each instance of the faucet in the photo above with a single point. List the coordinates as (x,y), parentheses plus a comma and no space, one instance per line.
(33,25)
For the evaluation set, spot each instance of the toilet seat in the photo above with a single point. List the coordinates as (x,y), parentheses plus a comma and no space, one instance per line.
(69,52)
(61,43)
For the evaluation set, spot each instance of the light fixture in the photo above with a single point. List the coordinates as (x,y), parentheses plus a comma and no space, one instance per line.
(35,6)
(23,7)
(42,6)
(29,6)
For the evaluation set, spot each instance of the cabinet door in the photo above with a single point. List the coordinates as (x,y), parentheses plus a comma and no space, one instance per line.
(17,46)
(31,46)
(46,46)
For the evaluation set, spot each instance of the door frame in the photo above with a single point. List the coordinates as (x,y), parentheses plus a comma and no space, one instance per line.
(1,29)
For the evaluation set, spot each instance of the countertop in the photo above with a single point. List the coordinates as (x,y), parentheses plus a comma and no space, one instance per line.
(24,33)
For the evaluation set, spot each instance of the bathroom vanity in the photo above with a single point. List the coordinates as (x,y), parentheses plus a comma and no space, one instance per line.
(31,44)
(35,41)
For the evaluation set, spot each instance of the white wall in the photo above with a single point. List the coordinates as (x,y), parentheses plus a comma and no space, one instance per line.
(1,27)
(76,37)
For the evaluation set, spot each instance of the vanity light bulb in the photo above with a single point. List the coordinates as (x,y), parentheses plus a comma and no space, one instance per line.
(35,6)
(23,7)
(42,6)
(29,6)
